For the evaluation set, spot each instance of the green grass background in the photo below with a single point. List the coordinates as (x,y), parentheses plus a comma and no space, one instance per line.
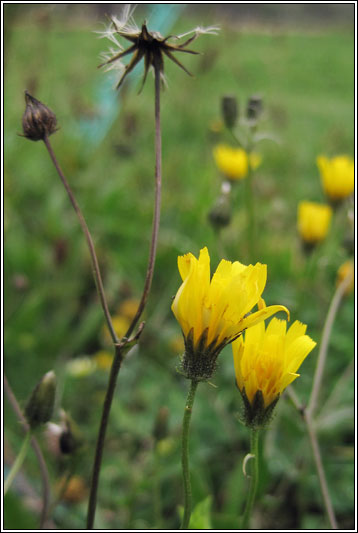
(305,75)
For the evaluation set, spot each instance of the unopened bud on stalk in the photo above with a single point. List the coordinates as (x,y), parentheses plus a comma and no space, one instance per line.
(38,121)
(220,214)
(254,107)
(40,406)
(71,438)
(160,430)
(229,110)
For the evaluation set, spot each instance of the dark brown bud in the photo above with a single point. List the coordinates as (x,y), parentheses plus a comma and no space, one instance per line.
(40,406)
(220,214)
(254,107)
(229,110)
(38,121)
(71,438)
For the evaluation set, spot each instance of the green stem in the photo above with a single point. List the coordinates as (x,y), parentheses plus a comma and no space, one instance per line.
(185,454)
(157,504)
(254,450)
(251,230)
(18,462)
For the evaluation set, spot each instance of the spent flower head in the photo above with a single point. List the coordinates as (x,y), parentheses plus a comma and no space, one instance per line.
(148,45)
(214,312)
(266,361)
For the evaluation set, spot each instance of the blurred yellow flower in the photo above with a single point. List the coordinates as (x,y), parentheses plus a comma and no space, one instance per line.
(212,313)
(266,362)
(120,324)
(234,162)
(103,359)
(313,221)
(216,126)
(74,490)
(176,344)
(337,176)
(345,270)
(80,367)
(128,308)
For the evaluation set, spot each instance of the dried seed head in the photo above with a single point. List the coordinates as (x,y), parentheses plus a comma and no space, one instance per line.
(38,121)
(150,46)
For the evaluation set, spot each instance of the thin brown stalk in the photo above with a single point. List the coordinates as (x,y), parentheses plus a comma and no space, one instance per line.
(320,470)
(119,346)
(316,455)
(35,445)
(82,221)
(326,335)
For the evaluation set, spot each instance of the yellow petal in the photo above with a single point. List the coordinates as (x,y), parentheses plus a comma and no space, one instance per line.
(254,318)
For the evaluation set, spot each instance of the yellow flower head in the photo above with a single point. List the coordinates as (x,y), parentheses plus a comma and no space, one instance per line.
(346,270)
(234,162)
(212,313)
(313,221)
(266,362)
(337,176)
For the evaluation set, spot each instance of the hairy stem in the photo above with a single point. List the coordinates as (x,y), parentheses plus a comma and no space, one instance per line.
(40,458)
(118,358)
(185,454)
(254,480)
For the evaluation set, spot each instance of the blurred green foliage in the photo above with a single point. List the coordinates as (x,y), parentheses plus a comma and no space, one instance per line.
(52,315)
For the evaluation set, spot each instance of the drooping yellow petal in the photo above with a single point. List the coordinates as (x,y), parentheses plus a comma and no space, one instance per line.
(263,314)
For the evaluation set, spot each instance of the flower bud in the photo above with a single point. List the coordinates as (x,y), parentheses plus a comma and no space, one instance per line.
(70,439)
(229,110)
(254,107)
(38,121)
(40,406)
(220,214)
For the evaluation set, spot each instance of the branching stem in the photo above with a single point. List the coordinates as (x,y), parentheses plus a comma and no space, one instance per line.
(118,358)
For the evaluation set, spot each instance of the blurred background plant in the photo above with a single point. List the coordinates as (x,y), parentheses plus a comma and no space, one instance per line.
(300,59)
